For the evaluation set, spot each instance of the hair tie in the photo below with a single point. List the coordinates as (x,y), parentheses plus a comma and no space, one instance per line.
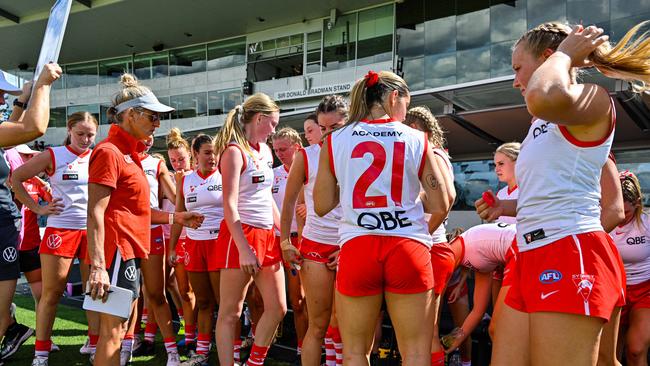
(626,174)
(371,79)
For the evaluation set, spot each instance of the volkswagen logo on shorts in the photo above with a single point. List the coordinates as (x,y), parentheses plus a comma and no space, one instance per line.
(130,273)
(10,254)
(54,241)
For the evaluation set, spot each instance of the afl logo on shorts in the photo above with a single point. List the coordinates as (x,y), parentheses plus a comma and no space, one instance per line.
(550,276)
(10,254)
(54,241)
(130,273)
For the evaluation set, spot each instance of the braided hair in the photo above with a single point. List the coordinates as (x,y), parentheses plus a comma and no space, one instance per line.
(632,192)
(424,120)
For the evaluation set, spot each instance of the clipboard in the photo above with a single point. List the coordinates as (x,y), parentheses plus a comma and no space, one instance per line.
(118,303)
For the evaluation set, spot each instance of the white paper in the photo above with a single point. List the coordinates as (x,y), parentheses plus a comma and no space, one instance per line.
(54,32)
(118,303)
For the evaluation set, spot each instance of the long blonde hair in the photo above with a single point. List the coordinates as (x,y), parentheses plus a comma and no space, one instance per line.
(422,117)
(628,60)
(130,89)
(238,118)
(363,97)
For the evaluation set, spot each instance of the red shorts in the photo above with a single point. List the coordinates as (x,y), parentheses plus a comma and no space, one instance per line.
(261,241)
(636,297)
(317,252)
(372,264)
(463,291)
(294,241)
(443,263)
(579,274)
(157,246)
(201,255)
(511,263)
(67,243)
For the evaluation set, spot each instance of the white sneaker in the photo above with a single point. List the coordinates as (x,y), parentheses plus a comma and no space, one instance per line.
(196,360)
(125,357)
(173,359)
(54,348)
(85,349)
(39,361)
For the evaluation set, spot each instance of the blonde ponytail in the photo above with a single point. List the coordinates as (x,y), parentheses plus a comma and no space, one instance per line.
(371,90)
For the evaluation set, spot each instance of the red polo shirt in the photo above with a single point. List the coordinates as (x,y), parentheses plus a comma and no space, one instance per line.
(115,162)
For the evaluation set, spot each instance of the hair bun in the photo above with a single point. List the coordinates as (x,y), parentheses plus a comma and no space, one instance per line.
(128,80)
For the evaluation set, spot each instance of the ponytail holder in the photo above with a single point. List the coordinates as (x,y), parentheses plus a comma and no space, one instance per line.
(625,174)
(371,79)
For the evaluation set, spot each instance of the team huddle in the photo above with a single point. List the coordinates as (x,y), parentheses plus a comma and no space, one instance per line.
(347,227)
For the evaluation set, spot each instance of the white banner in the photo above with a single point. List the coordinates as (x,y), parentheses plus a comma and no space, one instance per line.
(54,32)
(315,91)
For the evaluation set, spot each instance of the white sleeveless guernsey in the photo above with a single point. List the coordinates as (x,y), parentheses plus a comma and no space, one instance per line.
(69,181)
(280,175)
(324,230)
(505,194)
(151,167)
(486,246)
(633,243)
(378,166)
(559,184)
(440,234)
(204,194)
(255,201)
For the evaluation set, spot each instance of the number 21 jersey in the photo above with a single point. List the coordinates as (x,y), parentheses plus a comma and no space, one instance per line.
(378,165)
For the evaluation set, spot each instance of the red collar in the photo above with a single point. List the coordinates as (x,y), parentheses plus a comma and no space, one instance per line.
(513,189)
(81,155)
(198,172)
(375,121)
(126,143)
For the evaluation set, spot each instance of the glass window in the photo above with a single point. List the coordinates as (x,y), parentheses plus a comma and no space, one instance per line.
(623,25)
(508,21)
(473,64)
(500,59)
(375,35)
(228,53)
(314,47)
(588,11)
(471,179)
(188,60)
(152,65)
(628,8)
(637,162)
(472,24)
(339,43)
(413,70)
(222,101)
(540,11)
(79,75)
(58,117)
(276,58)
(440,69)
(440,35)
(103,117)
(111,70)
(189,105)
(409,42)
(91,108)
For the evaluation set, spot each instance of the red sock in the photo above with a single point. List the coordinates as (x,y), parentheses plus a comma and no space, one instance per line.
(190,333)
(150,332)
(330,353)
(338,345)
(92,340)
(257,356)
(170,345)
(203,344)
(236,350)
(299,350)
(438,358)
(42,348)
(180,312)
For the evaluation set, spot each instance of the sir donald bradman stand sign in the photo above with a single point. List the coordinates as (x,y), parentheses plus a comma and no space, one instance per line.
(313,92)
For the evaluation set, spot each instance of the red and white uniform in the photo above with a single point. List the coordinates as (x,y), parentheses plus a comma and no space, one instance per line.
(280,175)
(486,247)
(378,165)
(65,235)
(30,233)
(151,167)
(320,235)
(255,207)
(203,194)
(567,263)
(384,236)
(506,193)
(69,181)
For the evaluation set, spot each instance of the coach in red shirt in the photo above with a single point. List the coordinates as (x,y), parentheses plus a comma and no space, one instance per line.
(119,214)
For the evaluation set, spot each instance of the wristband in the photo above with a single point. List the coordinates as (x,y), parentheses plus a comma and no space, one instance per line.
(171,219)
(19,104)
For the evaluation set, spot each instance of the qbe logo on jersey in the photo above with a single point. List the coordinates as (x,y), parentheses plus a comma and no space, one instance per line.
(54,241)
(10,254)
(131,273)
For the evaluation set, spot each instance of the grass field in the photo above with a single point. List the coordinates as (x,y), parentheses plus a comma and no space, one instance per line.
(70,334)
